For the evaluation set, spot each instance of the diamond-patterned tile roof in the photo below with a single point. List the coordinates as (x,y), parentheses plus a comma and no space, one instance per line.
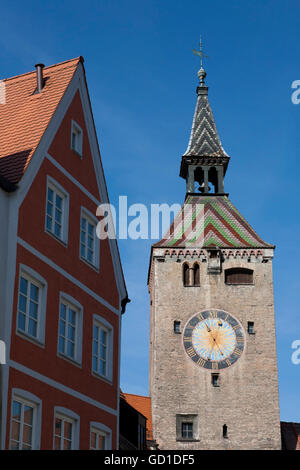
(204,139)
(210,221)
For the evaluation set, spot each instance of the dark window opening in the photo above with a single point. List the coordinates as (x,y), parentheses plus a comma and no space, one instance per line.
(176,326)
(215,380)
(187,430)
(239,276)
(251,328)
(225,431)
(196,274)
(186,275)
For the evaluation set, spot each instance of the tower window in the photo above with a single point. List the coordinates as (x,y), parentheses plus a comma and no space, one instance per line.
(238,276)
(251,328)
(187,431)
(177,327)
(186,274)
(225,431)
(196,274)
(215,380)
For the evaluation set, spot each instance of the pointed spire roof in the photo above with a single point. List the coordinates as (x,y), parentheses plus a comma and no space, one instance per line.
(204,140)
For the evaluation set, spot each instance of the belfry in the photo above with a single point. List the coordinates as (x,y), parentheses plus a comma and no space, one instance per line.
(213,364)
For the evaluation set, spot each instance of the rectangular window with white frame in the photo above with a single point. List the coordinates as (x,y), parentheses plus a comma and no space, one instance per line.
(102,360)
(57,208)
(66,429)
(89,242)
(31,304)
(25,425)
(76,138)
(70,328)
(100,437)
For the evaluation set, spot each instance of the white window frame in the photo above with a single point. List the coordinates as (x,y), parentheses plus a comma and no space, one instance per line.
(61,192)
(90,218)
(33,277)
(101,430)
(28,399)
(107,327)
(71,417)
(77,307)
(75,128)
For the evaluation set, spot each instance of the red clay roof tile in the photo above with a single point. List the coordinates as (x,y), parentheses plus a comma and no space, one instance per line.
(25,116)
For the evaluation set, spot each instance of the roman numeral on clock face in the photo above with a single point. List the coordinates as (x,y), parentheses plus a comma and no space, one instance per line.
(201,362)
(213,314)
(187,339)
(191,352)
(237,352)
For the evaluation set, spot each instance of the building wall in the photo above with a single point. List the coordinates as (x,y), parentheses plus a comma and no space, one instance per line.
(247,399)
(37,368)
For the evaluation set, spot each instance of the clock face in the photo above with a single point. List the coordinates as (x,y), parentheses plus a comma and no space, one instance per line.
(214,339)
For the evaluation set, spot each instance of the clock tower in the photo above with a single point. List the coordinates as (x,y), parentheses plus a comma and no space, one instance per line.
(213,366)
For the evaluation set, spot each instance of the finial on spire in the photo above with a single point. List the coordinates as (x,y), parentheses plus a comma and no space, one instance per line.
(201,73)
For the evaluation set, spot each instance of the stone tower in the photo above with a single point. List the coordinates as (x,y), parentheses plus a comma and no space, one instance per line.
(213,366)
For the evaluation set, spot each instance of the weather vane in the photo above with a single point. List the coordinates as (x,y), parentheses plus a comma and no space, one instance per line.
(200,53)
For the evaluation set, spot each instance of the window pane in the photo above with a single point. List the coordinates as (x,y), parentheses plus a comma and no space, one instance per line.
(62,311)
(57,229)
(50,194)
(93,440)
(58,202)
(62,327)
(32,327)
(68,430)
(34,292)
(83,223)
(33,309)
(70,349)
(23,285)
(58,426)
(21,322)
(49,223)
(72,315)
(49,209)
(15,431)
(57,443)
(61,345)
(95,365)
(27,434)
(22,303)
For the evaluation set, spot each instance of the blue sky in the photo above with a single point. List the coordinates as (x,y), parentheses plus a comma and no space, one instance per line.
(142,77)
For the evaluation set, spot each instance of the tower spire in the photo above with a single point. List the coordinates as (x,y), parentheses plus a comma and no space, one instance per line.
(205,161)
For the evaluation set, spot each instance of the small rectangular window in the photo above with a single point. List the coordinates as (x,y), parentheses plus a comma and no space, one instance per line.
(251,328)
(22,425)
(64,433)
(98,440)
(29,305)
(68,330)
(239,276)
(76,138)
(102,358)
(56,212)
(187,430)
(89,243)
(176,326)
(215,380)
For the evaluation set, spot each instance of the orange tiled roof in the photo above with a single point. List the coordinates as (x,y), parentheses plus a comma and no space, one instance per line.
(25,116)
(142,405)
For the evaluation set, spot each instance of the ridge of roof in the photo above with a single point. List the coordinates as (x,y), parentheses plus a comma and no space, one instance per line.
(21,75)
